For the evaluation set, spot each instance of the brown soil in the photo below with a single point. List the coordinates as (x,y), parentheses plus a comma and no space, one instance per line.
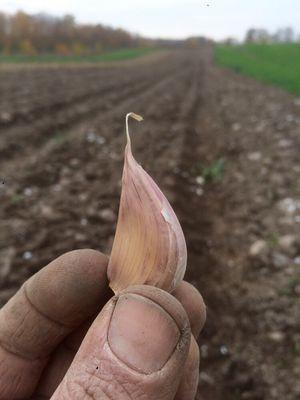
(61,149)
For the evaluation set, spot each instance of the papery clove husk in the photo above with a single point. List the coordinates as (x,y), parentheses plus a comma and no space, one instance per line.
(149,246)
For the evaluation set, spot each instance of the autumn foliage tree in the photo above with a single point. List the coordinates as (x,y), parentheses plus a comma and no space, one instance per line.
(42,33)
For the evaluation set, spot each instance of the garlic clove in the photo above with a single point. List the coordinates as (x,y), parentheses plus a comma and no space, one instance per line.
(149,245)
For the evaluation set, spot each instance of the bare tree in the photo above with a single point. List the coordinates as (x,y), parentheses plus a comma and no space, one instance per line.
(258,36)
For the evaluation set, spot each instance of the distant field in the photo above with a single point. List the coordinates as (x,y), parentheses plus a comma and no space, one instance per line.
(278,64)
(119,55)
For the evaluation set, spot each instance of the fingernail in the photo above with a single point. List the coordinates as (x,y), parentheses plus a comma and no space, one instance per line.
(142,334)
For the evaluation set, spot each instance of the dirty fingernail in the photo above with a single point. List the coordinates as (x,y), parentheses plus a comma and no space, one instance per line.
(142,334)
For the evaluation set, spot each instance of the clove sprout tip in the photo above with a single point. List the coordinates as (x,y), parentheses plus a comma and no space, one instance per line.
(135,116)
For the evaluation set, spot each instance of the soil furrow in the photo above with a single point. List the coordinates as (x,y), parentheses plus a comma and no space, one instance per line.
(67,119)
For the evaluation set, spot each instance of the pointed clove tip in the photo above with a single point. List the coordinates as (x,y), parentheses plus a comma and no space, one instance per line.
(135,116)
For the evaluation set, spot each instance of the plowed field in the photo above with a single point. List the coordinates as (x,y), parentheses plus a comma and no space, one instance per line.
(225,150)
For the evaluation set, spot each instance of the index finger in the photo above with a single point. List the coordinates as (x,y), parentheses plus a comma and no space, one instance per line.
(43,312)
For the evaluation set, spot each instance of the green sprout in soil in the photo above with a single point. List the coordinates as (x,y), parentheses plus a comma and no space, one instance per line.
(17,198)
(60,137)
(214,171)
(272,239)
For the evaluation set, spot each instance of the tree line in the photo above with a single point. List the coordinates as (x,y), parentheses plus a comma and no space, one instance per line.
(282,35)
(43,33)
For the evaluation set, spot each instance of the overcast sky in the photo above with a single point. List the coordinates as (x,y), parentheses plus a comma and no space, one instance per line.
(173,18)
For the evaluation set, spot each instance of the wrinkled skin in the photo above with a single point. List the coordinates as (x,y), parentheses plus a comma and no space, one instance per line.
(65,336)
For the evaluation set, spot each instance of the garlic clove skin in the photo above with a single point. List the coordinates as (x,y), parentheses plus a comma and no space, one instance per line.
(149,245)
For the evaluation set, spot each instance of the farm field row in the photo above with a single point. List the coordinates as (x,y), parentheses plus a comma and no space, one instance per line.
(228,164)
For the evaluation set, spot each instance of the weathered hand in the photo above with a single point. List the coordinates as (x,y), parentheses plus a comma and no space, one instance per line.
(55,344)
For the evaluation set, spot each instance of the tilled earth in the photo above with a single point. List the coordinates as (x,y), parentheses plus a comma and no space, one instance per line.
(226,151)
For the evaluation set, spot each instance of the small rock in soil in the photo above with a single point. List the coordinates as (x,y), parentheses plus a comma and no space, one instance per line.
(200,180)
(258,248)
(83,221)
(199,191)
(256,156)
(236,127)
(280,260)
(83,196)
(204,377)
(28,192)
(297,260)
(284,143)
(80,237)
(27,255)
(224,350)
(290,118)
(288,244)
(289,205)
(74,162)
(5,116)
(91,136)
(107,215)
(48,212)
(276,336)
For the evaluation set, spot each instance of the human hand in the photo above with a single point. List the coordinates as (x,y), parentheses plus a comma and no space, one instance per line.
(55,344)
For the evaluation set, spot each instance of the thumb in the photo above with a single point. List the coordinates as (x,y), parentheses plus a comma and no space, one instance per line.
(135,349)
